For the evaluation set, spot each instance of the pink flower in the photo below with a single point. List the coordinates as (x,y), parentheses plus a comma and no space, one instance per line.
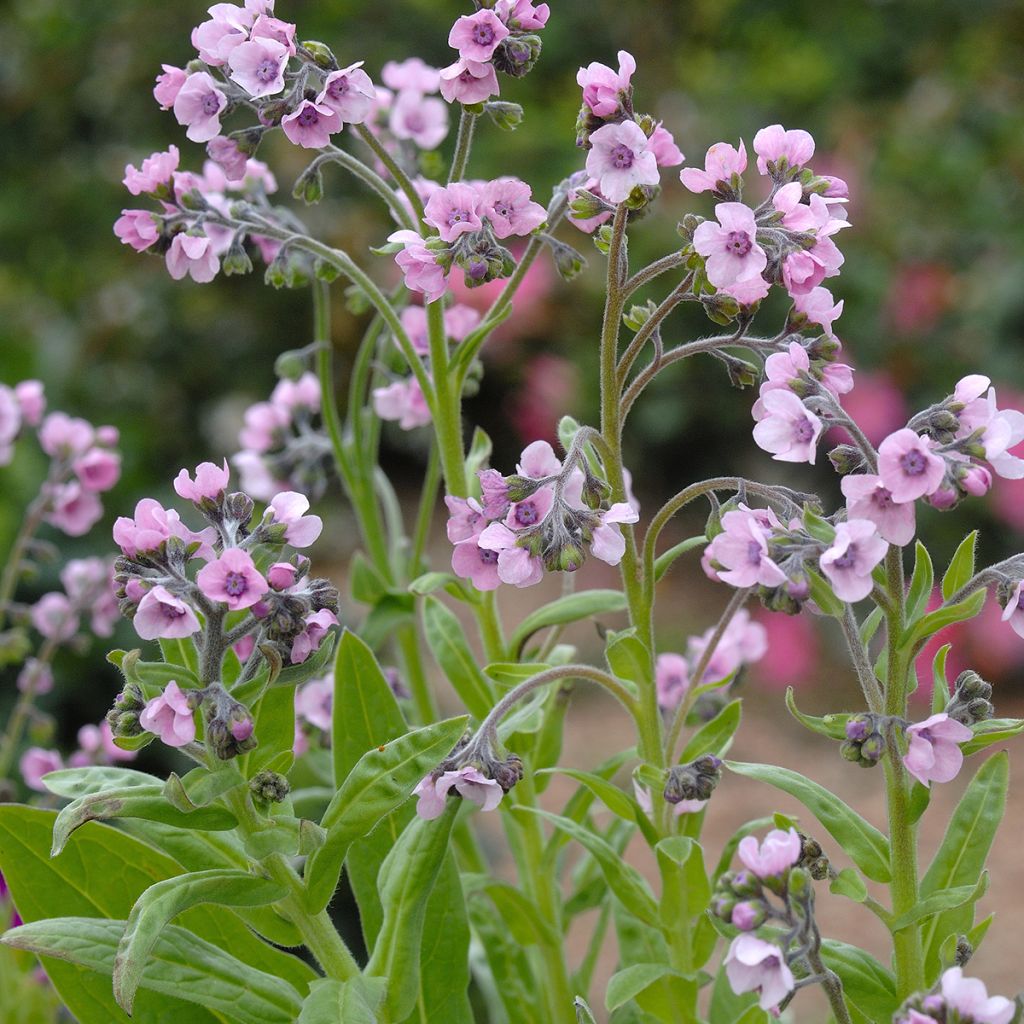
(317,626)
(152,525)
(303,393)
(970,998)
(1014,610)
(467,81)
(402,402)
(1001,430)
(98,469)
(522,14)
(604,89)
(283,32)
(311,124)
(730,246)
(774,144)
(157,171)
(720,164)
(193,255)
(868,498)
(786,428)
(476,36)
(37,762)
(264,421)
(664,147)
(282,575)
(753,965)
(35,676)
(232,579)
(620,158)
(198,105)
(161,614)
(506,203)
(170,717)
(607,542)
(349,93)
(419,266)
(476,564)
(290,507)
(468,782)
(314,702)
(742,548)
(908,467)
(73,509)
(227,28)
(210,482)
(454,210)
(855,551)
(168,85)
(411,75)
(743,642)
(774,856)
(465,518)
(258,66)
(422,119)
(62,436)
(54,617)
(538,460)
(516,566)
(671,679)
(819,308)
(934,753)
(137,228)
(31,401)
(529,512)
(494,491)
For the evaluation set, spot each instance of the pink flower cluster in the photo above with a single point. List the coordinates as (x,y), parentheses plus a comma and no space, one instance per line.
(510,539)
(963,999)
(470,783)
(95,746)
(88,591)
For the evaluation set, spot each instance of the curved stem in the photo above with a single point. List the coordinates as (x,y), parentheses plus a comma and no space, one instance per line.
(869,684)
(12,569)
(653,270)
(401,178)
(372,180)
(650,325)
(463,143)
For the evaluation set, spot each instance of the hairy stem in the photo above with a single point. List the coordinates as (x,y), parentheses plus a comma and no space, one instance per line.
(463,144)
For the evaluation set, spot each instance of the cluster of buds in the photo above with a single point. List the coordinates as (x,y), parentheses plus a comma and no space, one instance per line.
(541,518)
(695,781)
(957,999)
(472,771)
(83,459)
(865,741)
(972,699)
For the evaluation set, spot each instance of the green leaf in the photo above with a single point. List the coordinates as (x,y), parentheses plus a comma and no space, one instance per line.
(446,637)
(583,1012)
(73,783)
(849,884)
(714,737)
(920,582)
(431,582)
(134,802)
(961,566)
(625,881)
(380,781)
(390,613)
(313,667)
(479,452)
(869,627)
(963,851)
(940,684)
(200,787)
(928,625)
(183,966)
(865,845)
(686,891)
(947,953)
(407,877)
(946,899)
(181,651)
(274,717)
(520,914)
(627,657)
(992,730)
(512,673)
(628,983)
(867,984)
(333,1002)
(832,726)
(163,901)
(818,528)
(366,583)
(664,561)
(571,608)
(824,596)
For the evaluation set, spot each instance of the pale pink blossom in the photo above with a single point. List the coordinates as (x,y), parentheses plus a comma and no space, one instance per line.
(786,427)
(268,27)
(156,172)
(54,616)
(198,105)
(1014,610)
(10,423)
(289,508)
(530,511)
(730,246)
(31,401)
(476,564)
(465,518)
(467,81)
(303,393)
(742,548)
(753,965)
(506,203)
(868,498)
(908,467)
(264,422)
(232,579)
(849,561)
(720,164)
(607,542)
(151,526)
(170,717)
(603,88)
(412,75)
(349,93)
(35,677)
(97,469)
(494,491)
(62,436)
(257,65)
(516,566)
(193,255)
(1000,431)
(311,124)
(137,228)
(671,679)
(227,28)
(161,614)
(314,702)
(168,85)
(254,476)
(522,14)
(934,753)
(820,308)
(477,36)
(970,998)
(774,144)
(742,643)
(37,762)
(282,575)
(538,460)
(454,210)
(620,158)
(423,119)
(403,402)
(318,624)
(210,483)
(468,782)
(419,265)
(774,855)
(664,147)
(73,509)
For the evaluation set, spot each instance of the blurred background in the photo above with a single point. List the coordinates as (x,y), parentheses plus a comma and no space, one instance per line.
(917,104)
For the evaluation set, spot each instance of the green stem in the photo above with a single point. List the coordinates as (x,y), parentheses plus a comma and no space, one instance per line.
(21,712)
(12,569)
(447,407)
(425,513)
(491,632)
(463,142)
(416,677)
(401,178)
(372,180)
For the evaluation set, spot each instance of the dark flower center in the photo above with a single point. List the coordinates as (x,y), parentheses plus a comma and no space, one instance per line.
(308,117)
(267,70)
(211,103)
(804,430)
(338,88)
(458,217)
(754,553)
(488,557)
(738,243)
(913,463)
(622,157)
(847,558)
(526,513)
(235,584)
(483,35)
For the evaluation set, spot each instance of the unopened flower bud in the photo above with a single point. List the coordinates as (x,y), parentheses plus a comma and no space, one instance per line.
(846,459)
(689,224)
(850,751)
(745,883)
(638,315)
(858,728)
(248,139)
(321,54)
(269,787)
(749,915)
(964,951)
(507,116)
(694,781)
(872,749)
(506,773)
(238,508)
(722,907)
(720,308)
(309,186)
(290,365)
(570,558)
(970,702)
(799,883)
(568,261)
(585,205)
(236,259)
(516,55)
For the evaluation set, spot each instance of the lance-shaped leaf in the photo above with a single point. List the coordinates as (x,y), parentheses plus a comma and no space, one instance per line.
(833,726)
(184,966)
(664,562)
(571,608)
(714,737)
(406,880)
(332,1002)
(631,981)
(990,731)
(866,983)
(72,783)
(164,901)
(134,802)
(200,787)
(945,899)
(866,846)
(380,781)
(447,639)
(928,625)
(961,566)
(920,582)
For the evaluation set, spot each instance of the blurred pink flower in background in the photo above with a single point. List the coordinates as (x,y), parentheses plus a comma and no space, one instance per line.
(547,391)
(876,404)
(793,655)
(918,297)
